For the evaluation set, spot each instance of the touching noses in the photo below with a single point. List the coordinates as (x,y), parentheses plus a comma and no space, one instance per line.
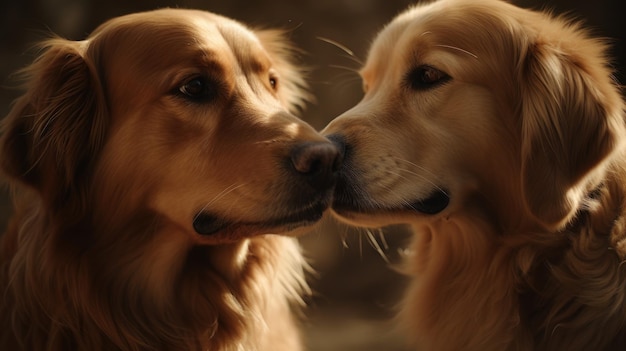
(318,162)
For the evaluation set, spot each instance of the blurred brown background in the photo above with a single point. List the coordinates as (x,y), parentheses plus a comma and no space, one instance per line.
(355,288)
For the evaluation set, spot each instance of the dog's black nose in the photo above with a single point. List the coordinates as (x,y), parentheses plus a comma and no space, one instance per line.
(318,162)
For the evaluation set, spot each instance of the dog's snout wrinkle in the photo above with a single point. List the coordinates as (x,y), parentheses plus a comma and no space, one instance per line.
(318,162)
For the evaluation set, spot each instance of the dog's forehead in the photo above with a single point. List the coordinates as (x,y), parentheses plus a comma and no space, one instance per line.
(463,29)
(406,35)
(178,36)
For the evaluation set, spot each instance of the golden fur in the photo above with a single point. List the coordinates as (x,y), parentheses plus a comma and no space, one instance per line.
(147,163)
(497,133)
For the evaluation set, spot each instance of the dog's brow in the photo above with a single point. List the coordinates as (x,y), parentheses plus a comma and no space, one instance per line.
(258,66)
(451,47)
(207,59)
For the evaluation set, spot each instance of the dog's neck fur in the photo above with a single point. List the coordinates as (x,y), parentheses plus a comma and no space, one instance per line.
(478,281)
(155,294)
(584,284)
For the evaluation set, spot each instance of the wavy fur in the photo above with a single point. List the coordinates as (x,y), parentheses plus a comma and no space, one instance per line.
(520,124)
(109,161)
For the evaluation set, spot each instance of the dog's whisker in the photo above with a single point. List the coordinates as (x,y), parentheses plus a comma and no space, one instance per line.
(413,164)
(383,240)
(340,81)
(337,45)
(408,203)
(361,246)
(372,239)
(358,62)
(343,48)
(390,190)
(439,188)
(347,77)
(344,235)
(349,69)
(419,175)
(458,49)
(341,86)
(229,189)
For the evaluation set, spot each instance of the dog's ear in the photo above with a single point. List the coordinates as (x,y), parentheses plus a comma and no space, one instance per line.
(53,132)
(571,119)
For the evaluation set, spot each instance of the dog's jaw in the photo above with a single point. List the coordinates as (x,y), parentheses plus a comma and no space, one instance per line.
(353,197)
(362,210)
(211,229)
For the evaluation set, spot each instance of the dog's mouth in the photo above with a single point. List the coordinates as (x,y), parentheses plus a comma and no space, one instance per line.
(208,224)
(433,204)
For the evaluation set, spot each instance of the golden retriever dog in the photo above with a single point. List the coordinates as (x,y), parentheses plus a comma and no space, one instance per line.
(149,166)
(498,134)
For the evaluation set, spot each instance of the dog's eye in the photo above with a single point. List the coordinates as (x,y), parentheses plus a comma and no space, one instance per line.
(426,77)
(199,89)
(273,81)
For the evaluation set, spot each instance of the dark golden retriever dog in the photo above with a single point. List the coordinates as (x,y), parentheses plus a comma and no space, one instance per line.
(150,164)
(498,134)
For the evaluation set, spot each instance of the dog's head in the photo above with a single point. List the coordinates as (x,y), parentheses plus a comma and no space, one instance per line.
(477,103)
(182,114)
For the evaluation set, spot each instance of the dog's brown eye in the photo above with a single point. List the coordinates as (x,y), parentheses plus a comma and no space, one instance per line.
(199,89)
(273,82)
(426,77)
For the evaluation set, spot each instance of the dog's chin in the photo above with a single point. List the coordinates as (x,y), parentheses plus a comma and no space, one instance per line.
(361,211)
(212,229)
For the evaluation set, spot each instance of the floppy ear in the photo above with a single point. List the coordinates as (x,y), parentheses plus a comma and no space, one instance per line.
(52,134)
(571,120)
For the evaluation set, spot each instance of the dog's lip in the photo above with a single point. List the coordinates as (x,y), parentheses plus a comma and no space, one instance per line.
(206,224)
(436,202)
(433,204)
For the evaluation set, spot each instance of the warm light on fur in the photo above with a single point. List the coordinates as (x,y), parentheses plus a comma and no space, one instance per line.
(497,133)
(148,164)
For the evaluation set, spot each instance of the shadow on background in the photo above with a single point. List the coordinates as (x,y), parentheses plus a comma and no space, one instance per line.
(355,288)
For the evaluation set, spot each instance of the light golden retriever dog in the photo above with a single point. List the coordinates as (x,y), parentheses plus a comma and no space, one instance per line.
(148,163)
(497,133)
